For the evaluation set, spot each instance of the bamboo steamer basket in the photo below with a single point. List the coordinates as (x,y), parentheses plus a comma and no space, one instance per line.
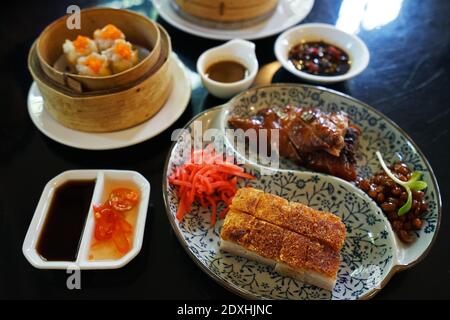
(107,110)
(227,10)
(138,30)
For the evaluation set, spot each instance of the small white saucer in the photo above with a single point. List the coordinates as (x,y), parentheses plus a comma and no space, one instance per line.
(287,14)
(169,113)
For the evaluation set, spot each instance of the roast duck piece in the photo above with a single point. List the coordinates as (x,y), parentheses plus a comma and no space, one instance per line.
(314,139)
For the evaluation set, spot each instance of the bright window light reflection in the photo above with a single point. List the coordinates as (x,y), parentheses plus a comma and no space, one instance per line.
(368,14)
(121,4)
(350,15)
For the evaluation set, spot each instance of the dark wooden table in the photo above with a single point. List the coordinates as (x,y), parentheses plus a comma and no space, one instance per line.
(407,79)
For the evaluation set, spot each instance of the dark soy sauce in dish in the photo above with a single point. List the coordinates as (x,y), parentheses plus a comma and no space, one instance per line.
(60,236)
(227,71)
(320,58)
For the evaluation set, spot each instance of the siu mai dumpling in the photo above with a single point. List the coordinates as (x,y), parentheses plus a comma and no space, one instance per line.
(80,47)
(121,56)
(106,36)
(95,65)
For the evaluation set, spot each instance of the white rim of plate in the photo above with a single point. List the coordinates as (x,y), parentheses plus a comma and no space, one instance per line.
(276,23)
(169,113)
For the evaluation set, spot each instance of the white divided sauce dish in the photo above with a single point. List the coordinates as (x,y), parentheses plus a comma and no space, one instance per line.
(82,261)
(237,50)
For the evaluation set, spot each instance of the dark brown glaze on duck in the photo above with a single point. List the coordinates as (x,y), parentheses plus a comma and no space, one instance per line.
(321,141)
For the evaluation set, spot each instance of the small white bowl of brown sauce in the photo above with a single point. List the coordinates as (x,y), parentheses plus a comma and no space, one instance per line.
(320,52)
(228,69)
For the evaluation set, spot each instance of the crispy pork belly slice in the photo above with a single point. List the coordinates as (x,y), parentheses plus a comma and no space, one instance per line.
(294,250)
(246,200)
(302,219)
(323,265)
(241,251)
(292,216)
(235,236)
(246,236)
(297,217)
(290,253)
(308,261)
(330,230)
(266,239)
(270,208)
(293,256)
(323,226)
(237,227)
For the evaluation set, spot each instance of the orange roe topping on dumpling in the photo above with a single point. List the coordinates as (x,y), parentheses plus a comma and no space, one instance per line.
(94,63)
(123,50)
(81,43)
(111,32)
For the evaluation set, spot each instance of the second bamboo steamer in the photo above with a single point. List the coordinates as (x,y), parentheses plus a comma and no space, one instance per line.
(227,10)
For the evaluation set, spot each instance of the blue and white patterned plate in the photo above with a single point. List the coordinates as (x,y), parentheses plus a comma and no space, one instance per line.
(371,254)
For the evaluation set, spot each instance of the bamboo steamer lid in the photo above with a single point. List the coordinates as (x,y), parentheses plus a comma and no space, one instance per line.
(227,10)
(107,110)
(138,30)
